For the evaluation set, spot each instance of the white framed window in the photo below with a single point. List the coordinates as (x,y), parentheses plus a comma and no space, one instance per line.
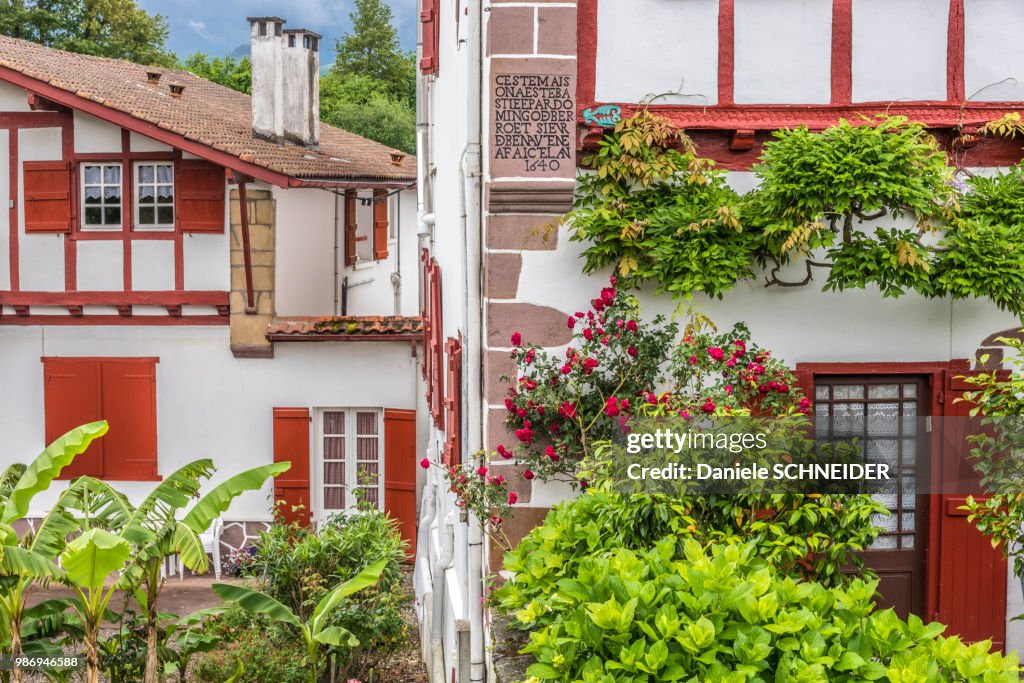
(350,459)
(101,196)
(154,195)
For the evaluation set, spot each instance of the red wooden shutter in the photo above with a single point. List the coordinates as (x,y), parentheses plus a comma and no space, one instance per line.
(966,557)
(291,444)
(453,403)
(350,227)
(380,225)
(128,388)
(425,316)
(436,349)
(72,398)
(429,36)
(199,186)
(400,472)
(47,186)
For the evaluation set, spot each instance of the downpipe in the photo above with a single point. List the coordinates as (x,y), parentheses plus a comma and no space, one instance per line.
(444,560)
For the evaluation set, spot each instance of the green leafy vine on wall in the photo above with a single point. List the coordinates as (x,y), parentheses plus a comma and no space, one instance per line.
(874,203)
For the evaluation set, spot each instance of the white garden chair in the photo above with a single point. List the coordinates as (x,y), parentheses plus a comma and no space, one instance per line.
(211,544)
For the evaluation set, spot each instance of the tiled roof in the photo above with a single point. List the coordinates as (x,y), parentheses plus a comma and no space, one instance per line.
(207,113)
(312,328)
(773,117)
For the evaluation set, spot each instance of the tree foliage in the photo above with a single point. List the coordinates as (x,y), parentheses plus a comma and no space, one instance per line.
(105,28)
(227,71)
(874,203)
(371,50)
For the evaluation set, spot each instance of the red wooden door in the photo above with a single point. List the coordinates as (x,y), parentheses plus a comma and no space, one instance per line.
(972,575)
(291,444)
(400,472)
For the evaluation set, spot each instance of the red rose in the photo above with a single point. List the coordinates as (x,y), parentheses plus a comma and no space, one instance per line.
(611,407)
(607,295)
(512,497)
(631,325)
(482,471)
(504,452)
(588,334)
(520,413)
(612,280)
(571,322)
(716,353)
(566,369)
(631,351)
(425,463)
(510,405)
(709,406)
(568,410)
(693,360)
(517,339)
(528,474)
(589,364)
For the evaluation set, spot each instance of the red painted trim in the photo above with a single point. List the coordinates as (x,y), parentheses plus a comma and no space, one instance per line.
(345,337)
(726,51)
(93,298)
(179,260)
(111,236)
(42,119)
(105,359)
(67,144)
(955,53)
(127,209)
(155,320)
(135,156)
(936,371)
(842,52)
(243,212)
(586,53)
(13,225)
(150,130)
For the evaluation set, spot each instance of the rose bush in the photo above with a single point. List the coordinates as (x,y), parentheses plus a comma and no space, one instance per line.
(617,366)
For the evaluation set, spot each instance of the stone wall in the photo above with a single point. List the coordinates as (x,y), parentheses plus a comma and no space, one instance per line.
(249,328)
(531,123)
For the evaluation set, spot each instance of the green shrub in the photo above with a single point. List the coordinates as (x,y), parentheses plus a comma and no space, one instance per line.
(296,567)
(723,614)
(267,654)
(798,535)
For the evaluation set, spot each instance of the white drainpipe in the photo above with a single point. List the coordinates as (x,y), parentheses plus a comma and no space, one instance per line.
(472,210)
(444,560)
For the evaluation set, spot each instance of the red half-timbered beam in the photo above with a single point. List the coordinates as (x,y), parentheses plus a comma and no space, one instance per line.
(12,212)
(726,52)
(39,119)
(955,53)
(137,298)
(127,211)
(586,53)
(155,320)
(67,150)
(842,51)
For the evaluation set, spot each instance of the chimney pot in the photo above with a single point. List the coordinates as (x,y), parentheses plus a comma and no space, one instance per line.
(268,87)
(176,89)
(153,77)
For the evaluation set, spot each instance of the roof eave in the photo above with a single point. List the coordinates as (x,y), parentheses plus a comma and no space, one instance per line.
(354,183)
(152,130)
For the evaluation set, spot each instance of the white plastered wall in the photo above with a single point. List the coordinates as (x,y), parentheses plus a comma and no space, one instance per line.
(993,50)
(209,404)
(651,47)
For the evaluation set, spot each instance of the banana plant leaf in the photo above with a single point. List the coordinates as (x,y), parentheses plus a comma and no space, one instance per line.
(214,503)
(47,466)
(17,561)
(366,578)
(172,494)
(254,601)
(92,557)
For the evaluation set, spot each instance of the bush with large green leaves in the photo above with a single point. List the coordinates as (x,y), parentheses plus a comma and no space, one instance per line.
(720,613)
(803,536)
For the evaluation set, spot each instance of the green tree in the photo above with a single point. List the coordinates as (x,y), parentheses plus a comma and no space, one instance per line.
(372,50)
(356,104)
(227,71)
(106,28)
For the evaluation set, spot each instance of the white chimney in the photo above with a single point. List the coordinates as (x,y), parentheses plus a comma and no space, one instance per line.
(301,67)
(266,37)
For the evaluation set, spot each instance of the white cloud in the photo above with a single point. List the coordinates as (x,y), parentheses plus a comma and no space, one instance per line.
(200,29)
(301,13)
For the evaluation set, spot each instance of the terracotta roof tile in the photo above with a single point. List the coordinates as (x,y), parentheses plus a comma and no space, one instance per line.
(207,113)
(298,328)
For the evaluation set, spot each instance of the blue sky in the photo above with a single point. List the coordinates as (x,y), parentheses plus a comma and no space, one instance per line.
(219,27)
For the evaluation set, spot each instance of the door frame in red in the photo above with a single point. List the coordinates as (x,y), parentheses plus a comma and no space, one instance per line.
(937,373)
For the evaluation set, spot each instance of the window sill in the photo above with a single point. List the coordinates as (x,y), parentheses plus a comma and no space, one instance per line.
(363,265)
